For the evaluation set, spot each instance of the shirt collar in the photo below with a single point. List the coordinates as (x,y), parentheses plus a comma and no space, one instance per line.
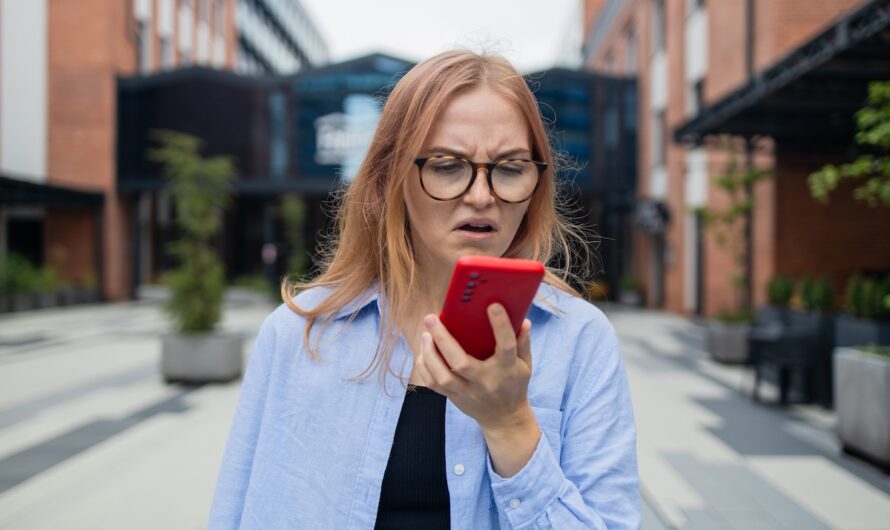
(546,300)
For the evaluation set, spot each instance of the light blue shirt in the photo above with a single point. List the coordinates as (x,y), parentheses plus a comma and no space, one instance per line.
(308,449)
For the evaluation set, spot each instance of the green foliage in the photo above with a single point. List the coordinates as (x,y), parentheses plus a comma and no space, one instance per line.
(872,170)
(876,349)
(739,316)
(817,294)
(868,297)
(727,224)
(20,276)
(293,215)
(779,291)
(629,284)
(199,188)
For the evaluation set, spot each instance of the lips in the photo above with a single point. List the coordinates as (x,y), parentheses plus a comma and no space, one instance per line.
(478,225)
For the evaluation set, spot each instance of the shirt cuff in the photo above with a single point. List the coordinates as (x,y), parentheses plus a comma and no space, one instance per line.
(527,494)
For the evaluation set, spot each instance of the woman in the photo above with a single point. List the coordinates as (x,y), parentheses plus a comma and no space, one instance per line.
(318,443)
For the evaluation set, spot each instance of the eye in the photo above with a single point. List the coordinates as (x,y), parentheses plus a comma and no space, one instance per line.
(446,166)
(511,169)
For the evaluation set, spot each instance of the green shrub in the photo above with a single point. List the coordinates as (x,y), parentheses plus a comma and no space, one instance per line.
(199,188)
(18,275)
(779,291)
(817,295)
(867,297)
(629,283)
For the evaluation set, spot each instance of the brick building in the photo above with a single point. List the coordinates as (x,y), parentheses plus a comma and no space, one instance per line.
(60,62)
(783,78)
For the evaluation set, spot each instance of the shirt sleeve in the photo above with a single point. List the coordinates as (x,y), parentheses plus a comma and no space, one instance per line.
(237,462)
(595,483)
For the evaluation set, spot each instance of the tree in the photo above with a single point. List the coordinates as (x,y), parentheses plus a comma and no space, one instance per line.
(731,224)
(200,188)
(872,169)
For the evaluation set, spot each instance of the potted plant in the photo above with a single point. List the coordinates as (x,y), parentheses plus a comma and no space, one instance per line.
(630,291)
(867,320)
(779,292)
(199,188)
(816,317)
(20,282)
(862,393)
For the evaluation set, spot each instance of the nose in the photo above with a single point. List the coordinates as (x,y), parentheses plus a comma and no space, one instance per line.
(480,194)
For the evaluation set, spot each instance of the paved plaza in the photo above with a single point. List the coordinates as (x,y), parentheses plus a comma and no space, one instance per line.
(90,438)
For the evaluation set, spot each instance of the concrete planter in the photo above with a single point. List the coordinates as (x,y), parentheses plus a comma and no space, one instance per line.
(727,343)
(201,357)
(24,302)
(862,395)
(631,298)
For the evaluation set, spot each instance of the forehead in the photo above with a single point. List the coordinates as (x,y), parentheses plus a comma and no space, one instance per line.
(480,120)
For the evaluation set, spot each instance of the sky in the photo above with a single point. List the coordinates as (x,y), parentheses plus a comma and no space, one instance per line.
(530,33)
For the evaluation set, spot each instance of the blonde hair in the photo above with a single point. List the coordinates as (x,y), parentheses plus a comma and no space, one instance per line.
(372,244)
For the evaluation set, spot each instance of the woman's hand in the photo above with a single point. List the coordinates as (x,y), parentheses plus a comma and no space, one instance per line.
(494,392)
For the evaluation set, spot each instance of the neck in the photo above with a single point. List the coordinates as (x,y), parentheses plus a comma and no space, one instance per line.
(433,280)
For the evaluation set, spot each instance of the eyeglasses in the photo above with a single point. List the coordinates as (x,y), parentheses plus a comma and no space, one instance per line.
(446,177)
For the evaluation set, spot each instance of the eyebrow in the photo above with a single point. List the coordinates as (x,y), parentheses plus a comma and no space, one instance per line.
(456,152)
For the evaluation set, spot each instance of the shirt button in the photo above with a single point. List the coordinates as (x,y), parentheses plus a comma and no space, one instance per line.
(514,503)
(459,469)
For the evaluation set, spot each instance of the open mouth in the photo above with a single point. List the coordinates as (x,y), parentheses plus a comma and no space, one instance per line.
(476,228)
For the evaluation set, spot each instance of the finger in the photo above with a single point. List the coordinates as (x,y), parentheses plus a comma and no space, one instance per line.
(504,336)
(421,373)
(524,343)
(458,361)
(441,375)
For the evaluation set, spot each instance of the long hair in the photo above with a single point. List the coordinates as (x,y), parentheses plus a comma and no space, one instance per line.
(372,245)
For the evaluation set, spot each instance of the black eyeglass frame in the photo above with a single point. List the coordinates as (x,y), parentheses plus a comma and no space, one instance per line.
(489,167)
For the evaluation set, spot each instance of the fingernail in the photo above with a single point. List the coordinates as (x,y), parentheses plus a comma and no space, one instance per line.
(430,321)
(497,309)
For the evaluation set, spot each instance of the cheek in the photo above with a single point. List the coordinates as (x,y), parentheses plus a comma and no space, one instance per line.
(423,214)
(515,215)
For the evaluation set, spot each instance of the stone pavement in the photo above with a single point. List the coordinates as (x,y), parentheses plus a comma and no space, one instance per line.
(91,438)
(712,458)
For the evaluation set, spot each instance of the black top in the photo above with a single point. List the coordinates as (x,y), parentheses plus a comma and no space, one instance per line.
(415,491)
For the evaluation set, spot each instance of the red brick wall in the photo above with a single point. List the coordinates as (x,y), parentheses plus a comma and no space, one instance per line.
(726,49)
(784,25)
(836,239)
(90,41)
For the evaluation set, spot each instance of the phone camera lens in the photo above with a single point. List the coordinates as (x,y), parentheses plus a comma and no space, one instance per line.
(474,275)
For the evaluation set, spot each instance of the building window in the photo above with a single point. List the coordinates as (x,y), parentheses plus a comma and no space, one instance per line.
(143,45)
(166,53)
(220,11)
(659,137)
(631,38)
(698,95)
(610,62)
(204,11)
(693,5)
(659,33)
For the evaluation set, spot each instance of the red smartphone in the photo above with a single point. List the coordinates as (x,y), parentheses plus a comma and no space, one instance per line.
(478,282)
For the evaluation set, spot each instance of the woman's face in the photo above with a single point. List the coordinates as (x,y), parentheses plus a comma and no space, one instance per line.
(481,126)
